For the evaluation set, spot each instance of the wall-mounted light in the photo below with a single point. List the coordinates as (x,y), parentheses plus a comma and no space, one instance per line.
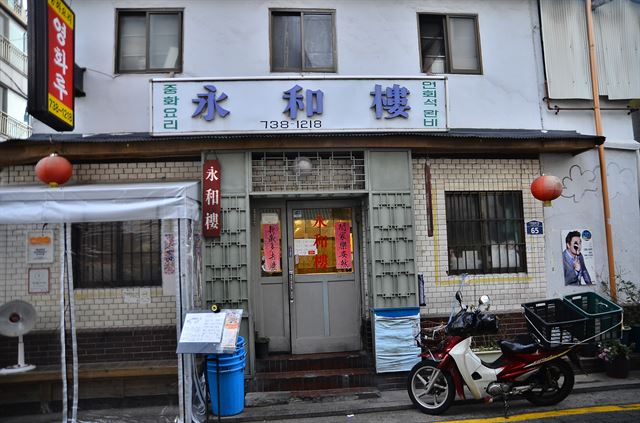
(303,166)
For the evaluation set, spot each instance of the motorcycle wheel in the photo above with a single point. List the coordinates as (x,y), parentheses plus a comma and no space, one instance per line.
(440,395)
(553,383)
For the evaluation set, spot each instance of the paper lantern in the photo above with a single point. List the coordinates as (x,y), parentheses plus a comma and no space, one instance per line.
(546,188)
(54,170)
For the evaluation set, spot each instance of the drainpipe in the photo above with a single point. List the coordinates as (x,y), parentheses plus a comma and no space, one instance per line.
(603,164)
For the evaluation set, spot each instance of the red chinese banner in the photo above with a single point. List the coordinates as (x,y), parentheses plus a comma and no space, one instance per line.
(343,245)
(272,253)
(211,181)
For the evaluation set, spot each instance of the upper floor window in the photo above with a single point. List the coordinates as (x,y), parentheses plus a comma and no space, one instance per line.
(149,41)
(302,41)
(485,232)
(449,44)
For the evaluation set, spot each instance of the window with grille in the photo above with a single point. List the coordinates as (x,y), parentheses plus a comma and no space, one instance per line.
(485,232)
(149,41)
(302,41)
(449,44)
(116,254)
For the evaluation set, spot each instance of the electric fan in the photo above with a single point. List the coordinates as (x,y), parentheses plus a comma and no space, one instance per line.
(17,318)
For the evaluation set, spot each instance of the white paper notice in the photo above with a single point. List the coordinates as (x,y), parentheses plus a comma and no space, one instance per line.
(203,327)
(145,295)
(130,295)
(305,247)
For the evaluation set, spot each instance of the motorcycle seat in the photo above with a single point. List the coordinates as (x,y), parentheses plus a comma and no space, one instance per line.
(509,347)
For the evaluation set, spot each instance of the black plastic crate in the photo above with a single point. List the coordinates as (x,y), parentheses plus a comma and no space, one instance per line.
(555,322)
(604,318)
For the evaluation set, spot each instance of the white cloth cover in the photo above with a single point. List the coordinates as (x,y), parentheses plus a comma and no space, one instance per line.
(99,202)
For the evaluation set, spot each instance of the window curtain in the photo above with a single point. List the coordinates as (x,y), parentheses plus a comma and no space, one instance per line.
(318,41)
(132,43)
(286,41)
(464,53)
(164,34)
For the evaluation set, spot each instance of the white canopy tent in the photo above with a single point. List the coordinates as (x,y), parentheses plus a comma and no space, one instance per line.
(109,203)
(99,203)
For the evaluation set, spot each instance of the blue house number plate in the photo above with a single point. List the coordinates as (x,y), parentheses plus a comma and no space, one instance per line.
(534,227)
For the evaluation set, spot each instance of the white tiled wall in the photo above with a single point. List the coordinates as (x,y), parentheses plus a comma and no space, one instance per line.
(110,172)
(95,308)
(507,291)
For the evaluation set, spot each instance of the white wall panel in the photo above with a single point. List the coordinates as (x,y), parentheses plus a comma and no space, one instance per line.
(617,37)
(618,49)
(564,34)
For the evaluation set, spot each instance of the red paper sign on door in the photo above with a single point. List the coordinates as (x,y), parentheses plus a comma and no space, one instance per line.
(271,238)
(211,181)
(343,245)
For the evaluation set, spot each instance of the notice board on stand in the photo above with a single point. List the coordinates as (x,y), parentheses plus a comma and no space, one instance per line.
(204,332)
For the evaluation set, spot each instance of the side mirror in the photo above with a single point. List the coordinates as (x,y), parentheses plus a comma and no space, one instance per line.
(484,303)
(459,297)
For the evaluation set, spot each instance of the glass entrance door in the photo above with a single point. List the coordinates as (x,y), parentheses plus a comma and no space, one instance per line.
(324,293)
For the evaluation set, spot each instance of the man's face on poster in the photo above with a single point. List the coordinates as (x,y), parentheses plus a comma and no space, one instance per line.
(575,245)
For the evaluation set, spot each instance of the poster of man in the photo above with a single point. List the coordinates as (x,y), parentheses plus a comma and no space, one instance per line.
(577,257)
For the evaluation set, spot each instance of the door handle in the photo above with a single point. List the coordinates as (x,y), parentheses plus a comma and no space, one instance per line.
(291,286)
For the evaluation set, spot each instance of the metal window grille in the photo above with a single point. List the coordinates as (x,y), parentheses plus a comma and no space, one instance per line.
(485,232)
(308,171)
(116,254)
(226,278)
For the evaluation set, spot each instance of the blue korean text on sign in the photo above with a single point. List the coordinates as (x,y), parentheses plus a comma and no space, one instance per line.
(314,102)
(170,106)
(535,227)
(208,101)
(430,103)
(393,100)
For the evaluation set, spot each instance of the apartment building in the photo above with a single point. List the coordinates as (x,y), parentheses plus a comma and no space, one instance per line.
(14,121)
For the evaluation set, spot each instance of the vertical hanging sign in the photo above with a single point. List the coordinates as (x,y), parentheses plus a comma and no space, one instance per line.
(211,180)
(343,245)
(51,59)
(271,238)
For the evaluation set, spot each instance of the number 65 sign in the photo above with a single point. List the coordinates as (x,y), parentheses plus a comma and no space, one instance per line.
(535,227)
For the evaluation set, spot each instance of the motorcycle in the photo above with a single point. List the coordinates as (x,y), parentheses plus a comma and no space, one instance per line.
(539,372)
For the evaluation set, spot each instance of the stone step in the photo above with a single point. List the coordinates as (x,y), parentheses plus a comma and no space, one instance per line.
(303,362)
(310,380)
(261,399)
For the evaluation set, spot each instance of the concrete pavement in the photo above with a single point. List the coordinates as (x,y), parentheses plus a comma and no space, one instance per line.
(281,406)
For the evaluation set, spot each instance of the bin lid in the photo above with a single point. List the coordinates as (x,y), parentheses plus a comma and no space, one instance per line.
(396,312)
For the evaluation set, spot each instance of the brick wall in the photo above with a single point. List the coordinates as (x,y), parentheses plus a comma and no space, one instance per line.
(128,344)
(110,172)
(511,325)
(507,291)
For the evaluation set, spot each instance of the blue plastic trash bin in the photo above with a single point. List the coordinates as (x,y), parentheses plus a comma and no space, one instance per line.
(230,368)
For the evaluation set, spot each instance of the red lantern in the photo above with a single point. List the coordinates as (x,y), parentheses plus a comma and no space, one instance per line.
(54,170)
(546,188)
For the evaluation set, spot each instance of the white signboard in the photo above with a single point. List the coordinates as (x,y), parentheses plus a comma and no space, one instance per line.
(210,333)
(288,105)
(305,247)
(38,281)
(40,247)
(203,328)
